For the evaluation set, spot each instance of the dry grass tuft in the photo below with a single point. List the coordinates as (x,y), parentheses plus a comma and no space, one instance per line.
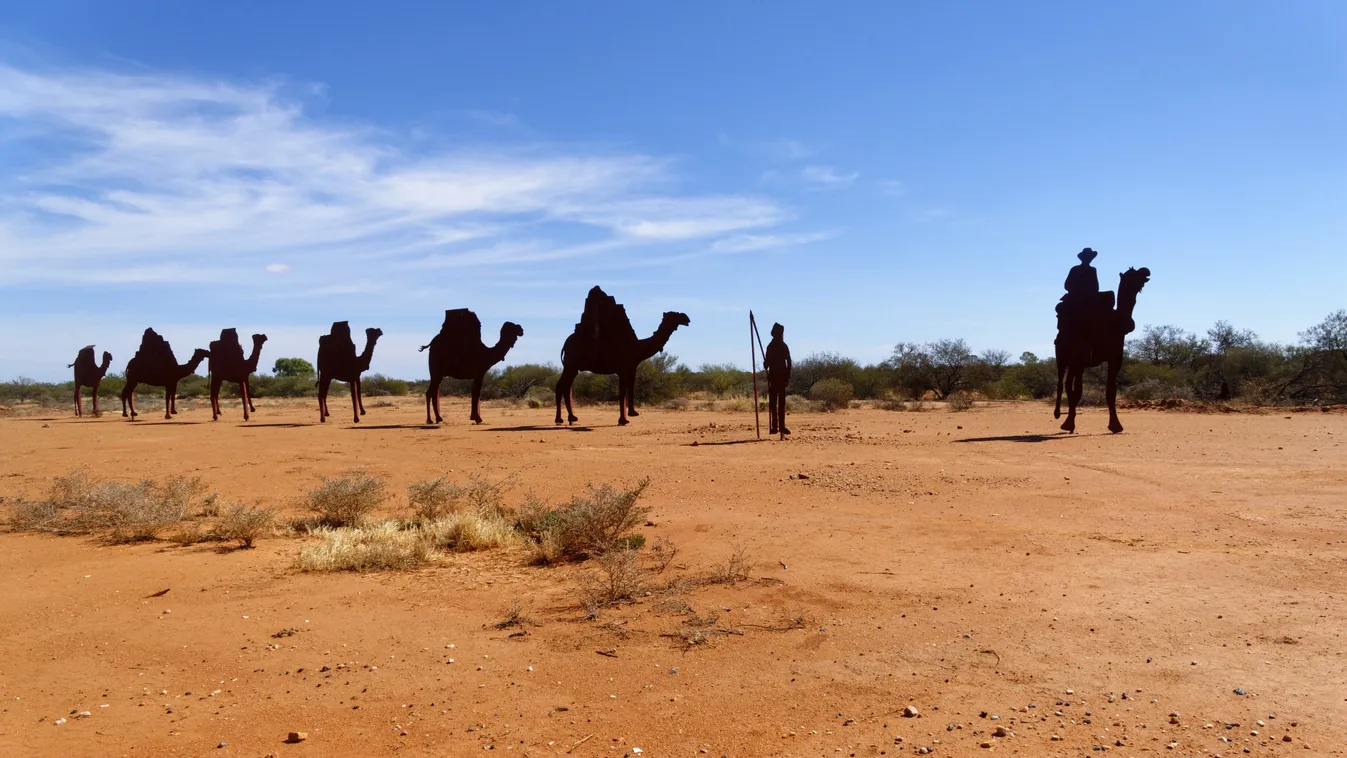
(347,501)
(959,401)
(469,531)
(431,499)
(514,616)
(664,551)
(384,545)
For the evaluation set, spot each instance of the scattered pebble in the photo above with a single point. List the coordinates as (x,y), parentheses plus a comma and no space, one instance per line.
(911,712)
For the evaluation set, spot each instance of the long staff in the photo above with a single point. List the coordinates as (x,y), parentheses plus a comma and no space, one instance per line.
(771,410)
(753,353)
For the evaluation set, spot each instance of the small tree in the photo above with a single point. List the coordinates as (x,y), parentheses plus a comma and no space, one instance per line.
(949,361)
(293,367)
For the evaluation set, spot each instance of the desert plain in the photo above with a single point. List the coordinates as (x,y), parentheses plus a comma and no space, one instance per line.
(931,582)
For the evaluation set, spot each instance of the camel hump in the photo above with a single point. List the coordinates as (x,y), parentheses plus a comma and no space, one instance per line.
(155,347)
(462,327)
(86,354)
(605,319)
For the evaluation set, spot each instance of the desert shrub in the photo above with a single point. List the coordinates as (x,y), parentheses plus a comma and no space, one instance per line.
(1157,389)
(735,568)
(959,401)
(658,379)
(79,504)
(540,397)
(380,546)
(664,551)
(619,578)
(347,500)
(245,523)
(677,404)
(378,385)
(831,394)
(1007,387)
(518,381)
(587,525)
(797,404)
(431,499)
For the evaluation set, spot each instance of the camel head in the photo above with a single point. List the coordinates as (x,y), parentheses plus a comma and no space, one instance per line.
(372,335)
(258,339)
(107,361)
(673,319)
(510,332)
(1133,279)
(198,355)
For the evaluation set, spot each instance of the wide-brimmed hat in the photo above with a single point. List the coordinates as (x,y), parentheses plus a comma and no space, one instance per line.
(777,329)
(1086,255)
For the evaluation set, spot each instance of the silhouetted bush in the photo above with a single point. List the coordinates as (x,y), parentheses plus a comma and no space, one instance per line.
(378,385)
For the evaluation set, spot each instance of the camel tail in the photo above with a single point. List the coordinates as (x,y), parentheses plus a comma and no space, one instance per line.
(70,365)
(422,349)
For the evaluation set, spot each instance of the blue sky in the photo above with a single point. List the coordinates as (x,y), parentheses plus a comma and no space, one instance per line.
(865,173)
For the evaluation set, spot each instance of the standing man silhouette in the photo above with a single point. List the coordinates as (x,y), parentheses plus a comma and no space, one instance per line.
(778,365)
(1082,291)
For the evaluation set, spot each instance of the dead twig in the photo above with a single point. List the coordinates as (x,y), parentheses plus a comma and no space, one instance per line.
(578,744)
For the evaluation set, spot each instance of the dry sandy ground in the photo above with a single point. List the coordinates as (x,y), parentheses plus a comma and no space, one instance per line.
(1076,590)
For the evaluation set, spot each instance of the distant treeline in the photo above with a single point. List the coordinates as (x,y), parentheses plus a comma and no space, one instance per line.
(1162,362)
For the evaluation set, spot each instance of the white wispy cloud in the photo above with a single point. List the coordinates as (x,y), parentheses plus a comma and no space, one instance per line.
(827,177)
(154,177)
(745,243)
(891,187)
(277,268)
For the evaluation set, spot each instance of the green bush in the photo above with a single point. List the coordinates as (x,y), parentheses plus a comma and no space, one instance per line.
(831,394)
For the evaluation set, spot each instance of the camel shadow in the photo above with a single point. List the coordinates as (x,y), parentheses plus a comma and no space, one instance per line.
(372,427)
(538,428)
(175,422)
(1028,437)
(699,443)
(273,425)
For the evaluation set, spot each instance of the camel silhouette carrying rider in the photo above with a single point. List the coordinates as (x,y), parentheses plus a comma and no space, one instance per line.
(776,360)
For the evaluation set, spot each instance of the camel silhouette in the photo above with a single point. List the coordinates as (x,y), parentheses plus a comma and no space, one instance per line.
(227,364)
(337,361)
(604,343)
(1086,339)
(154,364)
(457,352)
(89,374)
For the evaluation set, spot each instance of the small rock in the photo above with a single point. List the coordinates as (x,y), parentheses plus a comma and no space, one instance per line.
(1239,691)
(59,721)
(1286,738)
(985,744)
(297,737)
(911,712)
(1000,732)
(222,744)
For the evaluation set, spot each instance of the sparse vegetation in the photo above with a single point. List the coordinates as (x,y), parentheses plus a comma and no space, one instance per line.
(619,578)
(121,512)
(586,526)
(960,401)
(347,501)
(735,568)
(380,546)
(245,524)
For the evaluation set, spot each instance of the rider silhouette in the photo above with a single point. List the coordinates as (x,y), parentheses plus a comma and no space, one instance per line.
(1082,286)
(778,364)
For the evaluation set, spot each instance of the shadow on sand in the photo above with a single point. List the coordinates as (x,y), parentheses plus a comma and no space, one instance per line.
(371,427)
(1028,437)
(538,428)
(273,425)
(699,443)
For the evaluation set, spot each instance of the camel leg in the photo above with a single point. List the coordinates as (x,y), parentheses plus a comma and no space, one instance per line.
(1074,382)
(356,410)
(95,398)
(476,414)
(248,393)
(631,396)
(431,391)
(126,393)
(1114,425)
(359,395)
(79,407)
(438,418)
(247,401)
(1061,371)
(563,390)
(623,383)
(169,391)
(324,384)
(215,382)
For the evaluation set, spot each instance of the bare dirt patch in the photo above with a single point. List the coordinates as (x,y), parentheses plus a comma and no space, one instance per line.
(1039,593)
